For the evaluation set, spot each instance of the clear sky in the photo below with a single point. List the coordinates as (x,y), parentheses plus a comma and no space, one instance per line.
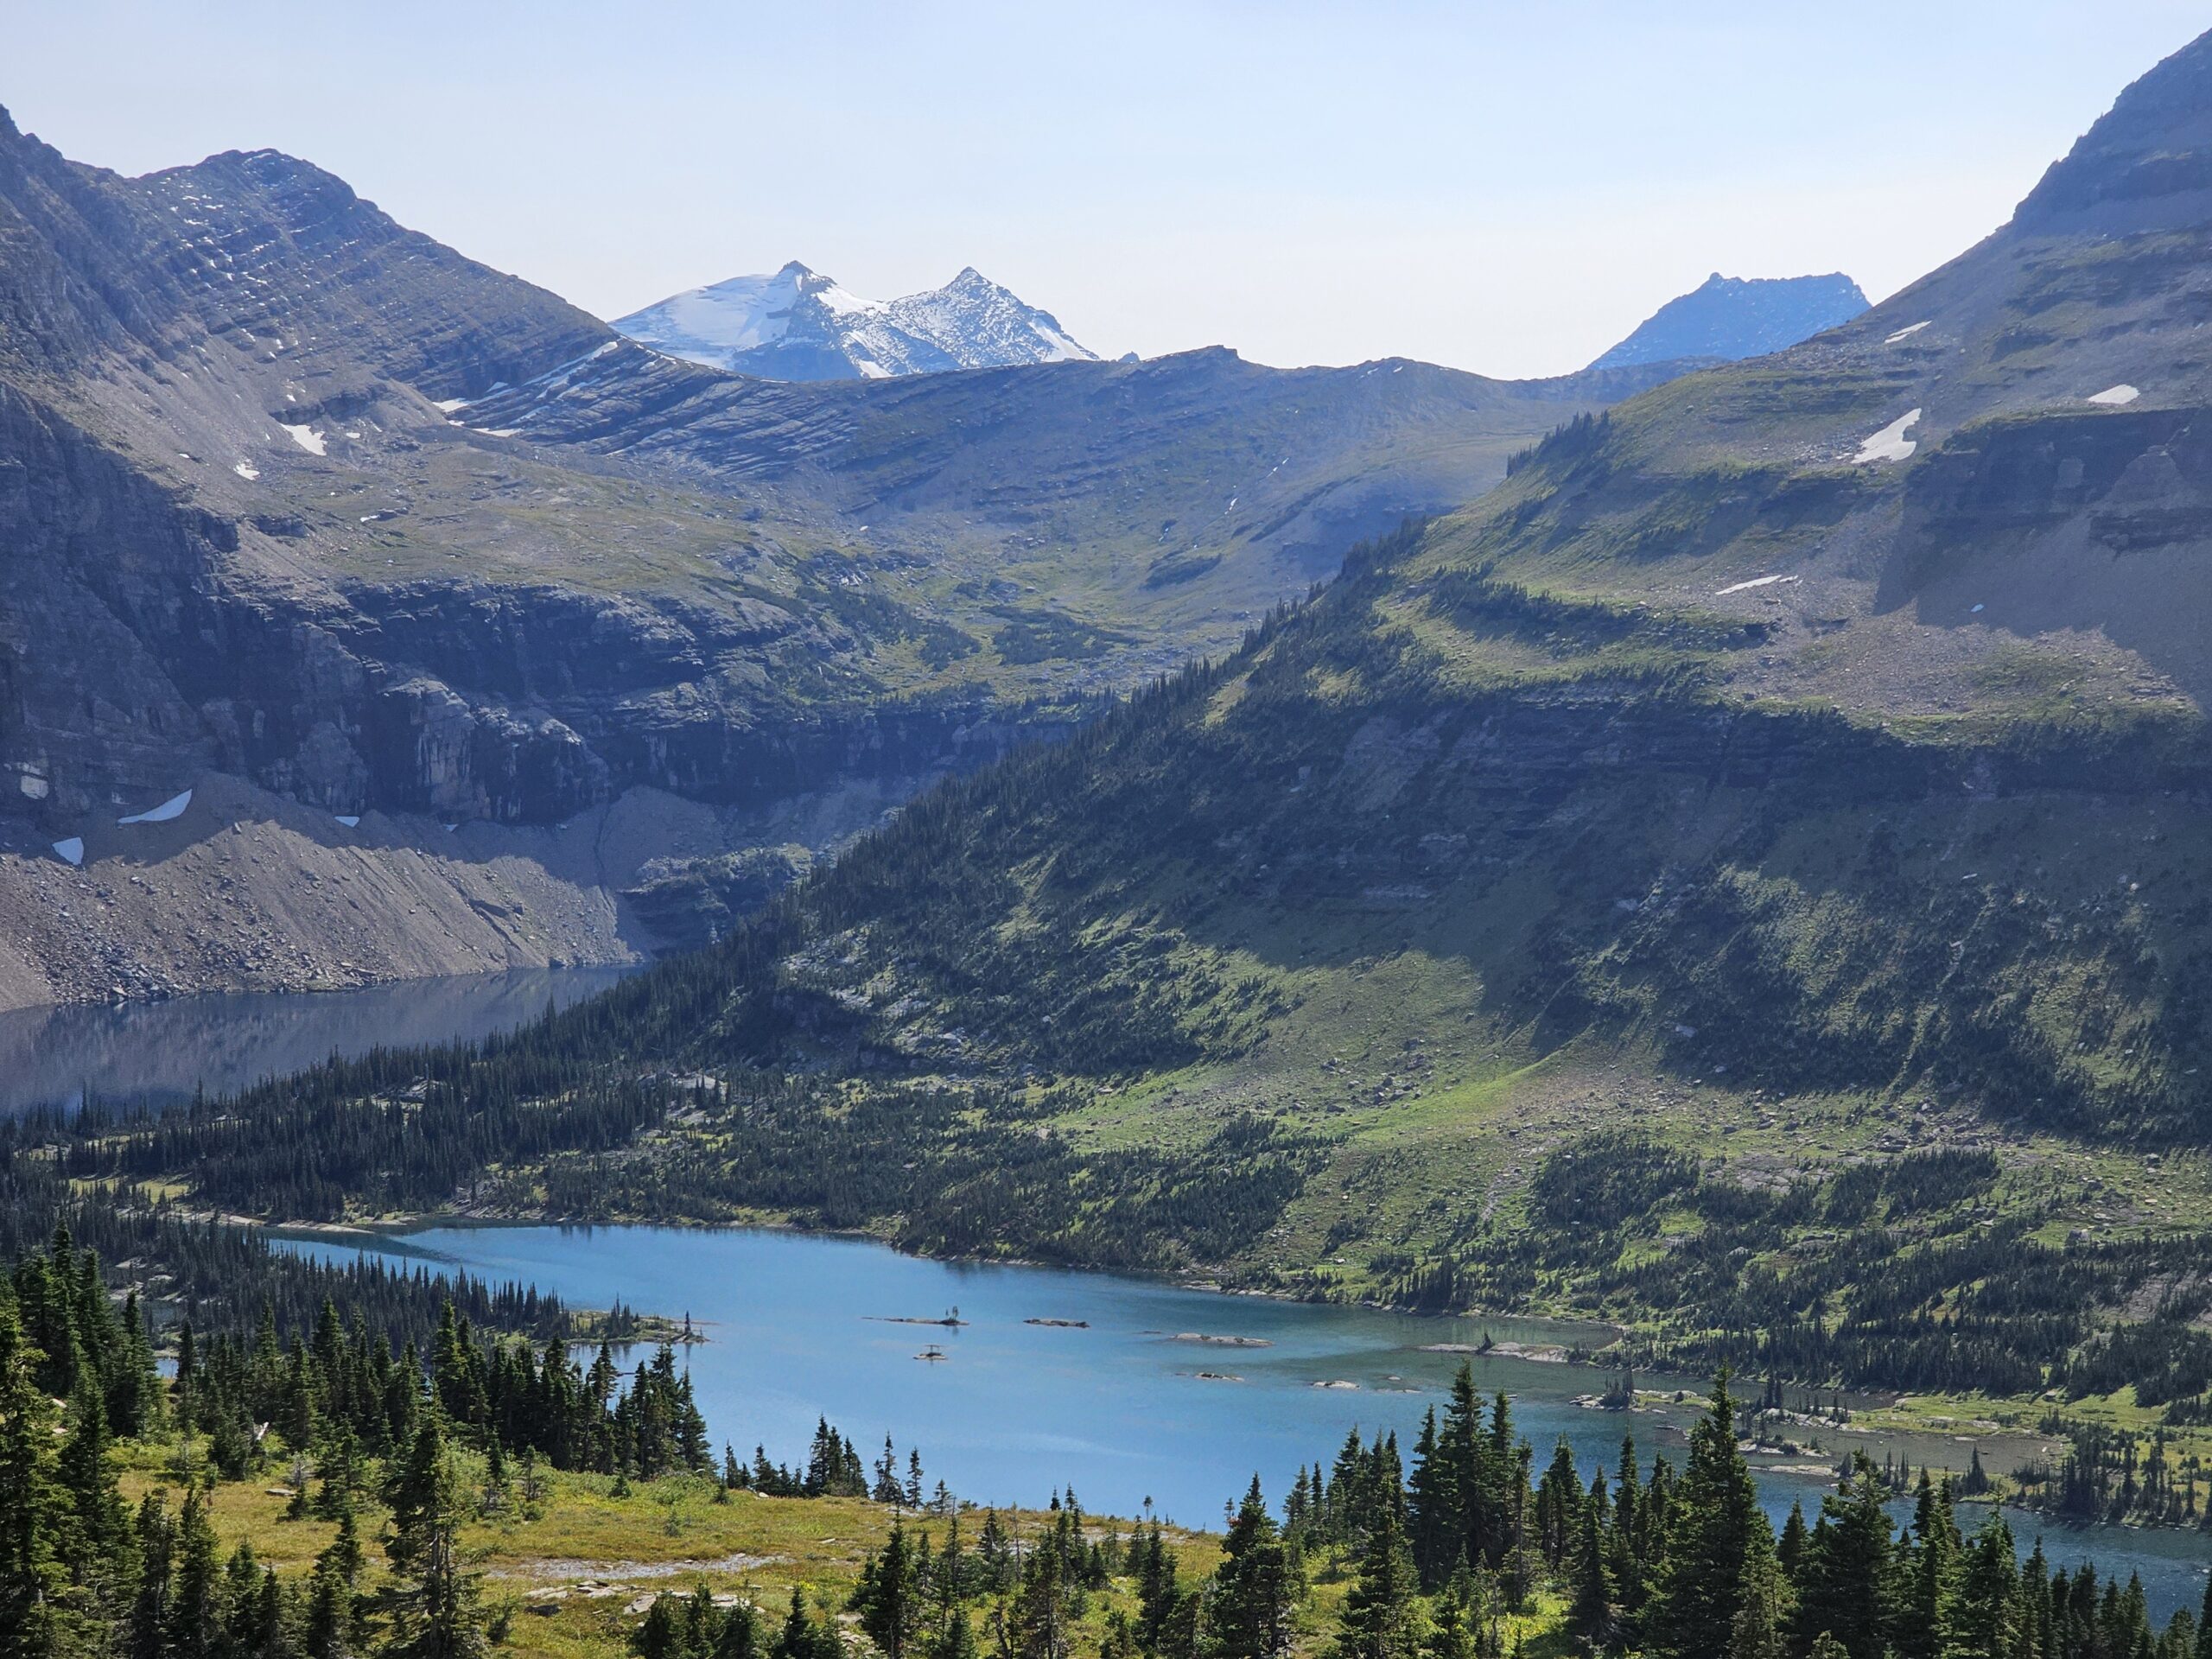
(1502,186)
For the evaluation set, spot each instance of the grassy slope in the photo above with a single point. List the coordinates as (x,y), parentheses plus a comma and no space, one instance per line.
(577,1568)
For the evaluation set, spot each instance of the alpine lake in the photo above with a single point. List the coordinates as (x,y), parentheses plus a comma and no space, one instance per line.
(1131,1391)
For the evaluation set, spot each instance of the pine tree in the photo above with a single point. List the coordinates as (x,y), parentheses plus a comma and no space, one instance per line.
(154,1537)
(1698,1585)
(658,1636)
(801,1637)
(740,1636)
(31,1580)
(888,1597)
(1040,1623)
(1558,1505)
(1845,1586)
(193,1628)
(1759,1630)
(1157,1593)
(1931,1572)
(435,1614)
(1791,1548)
(958,1639)
(1256,1588)
(1452,1633)
(1432,1502)
(1590,1616)
(1380,1617)
(1982,1618)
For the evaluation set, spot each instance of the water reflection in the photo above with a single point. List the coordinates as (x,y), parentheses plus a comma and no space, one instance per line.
(158,1052)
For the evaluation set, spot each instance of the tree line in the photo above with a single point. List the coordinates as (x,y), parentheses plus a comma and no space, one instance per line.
(1453,1556)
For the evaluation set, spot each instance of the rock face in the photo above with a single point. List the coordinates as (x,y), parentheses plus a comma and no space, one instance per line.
(800,325)
(1728,730)
(295,497)
(1728,318)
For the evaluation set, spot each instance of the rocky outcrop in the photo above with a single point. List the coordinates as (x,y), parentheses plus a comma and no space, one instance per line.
(294,497)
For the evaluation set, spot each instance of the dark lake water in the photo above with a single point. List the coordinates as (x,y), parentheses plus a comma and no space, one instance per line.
(159,1053)
(800,1326)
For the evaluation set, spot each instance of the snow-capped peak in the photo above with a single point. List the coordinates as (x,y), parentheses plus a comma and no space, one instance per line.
(800,325)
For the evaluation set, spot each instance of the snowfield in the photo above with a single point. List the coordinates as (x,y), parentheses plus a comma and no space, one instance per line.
(800,325)
(172,808)
(1891,442)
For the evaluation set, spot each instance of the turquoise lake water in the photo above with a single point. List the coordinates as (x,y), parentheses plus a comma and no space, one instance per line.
(801,1325)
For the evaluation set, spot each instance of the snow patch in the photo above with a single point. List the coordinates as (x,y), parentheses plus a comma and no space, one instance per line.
(172,808)
(1891,442)
(450,405)
(351,820)
(1756,582)
(1904,333)
(306,436)
(2117,396)
(246,470)
(70,850)
(969,323)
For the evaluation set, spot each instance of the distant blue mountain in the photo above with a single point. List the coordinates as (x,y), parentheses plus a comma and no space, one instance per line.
(1731,317)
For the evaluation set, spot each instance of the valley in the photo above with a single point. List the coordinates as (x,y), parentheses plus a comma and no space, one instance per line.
(1167,927)
(1561,852)
(350,526)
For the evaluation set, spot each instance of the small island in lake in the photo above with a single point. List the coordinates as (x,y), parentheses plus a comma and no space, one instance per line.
(1220,1342)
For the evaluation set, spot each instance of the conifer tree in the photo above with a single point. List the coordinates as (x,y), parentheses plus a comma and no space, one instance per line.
(31,1578)
(1759,1630)
(1981,1620)
(1845,1586)
(435,1612)
(1380,1617)
(1930,1573)
(194,1627)
(1452,1633)
(958,1639)
(1256,1588)
(1699,1584)
(888,1597)
(1589,1617)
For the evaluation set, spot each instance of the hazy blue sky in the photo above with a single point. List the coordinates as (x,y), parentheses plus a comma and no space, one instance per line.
(1506,187)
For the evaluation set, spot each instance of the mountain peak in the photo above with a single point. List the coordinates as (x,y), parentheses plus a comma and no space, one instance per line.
(2144,165)
(800,325)
(1731,317)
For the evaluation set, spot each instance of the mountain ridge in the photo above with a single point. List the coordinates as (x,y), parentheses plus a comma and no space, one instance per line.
(303,511)
(1661,810)
(800,325)
(1727,318)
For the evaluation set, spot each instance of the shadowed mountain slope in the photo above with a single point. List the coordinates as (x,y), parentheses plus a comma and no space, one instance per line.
(1652,892)
(297,498)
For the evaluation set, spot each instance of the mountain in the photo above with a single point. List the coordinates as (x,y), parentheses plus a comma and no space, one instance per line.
(1746,876)
(1734,317)
(480,635)
(799,325)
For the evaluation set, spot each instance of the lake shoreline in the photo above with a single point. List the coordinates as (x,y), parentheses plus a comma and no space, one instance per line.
(807,1322)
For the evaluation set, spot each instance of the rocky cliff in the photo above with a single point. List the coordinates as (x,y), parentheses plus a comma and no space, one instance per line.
(301,509)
